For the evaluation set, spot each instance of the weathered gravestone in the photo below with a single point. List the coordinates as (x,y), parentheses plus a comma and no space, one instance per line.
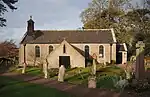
(94,64)
(45,69)
(92,78)
(92,82)
(61,73)
(24,67)
(139,69)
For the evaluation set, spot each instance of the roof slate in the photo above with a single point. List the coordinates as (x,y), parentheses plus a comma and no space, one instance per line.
(71,36)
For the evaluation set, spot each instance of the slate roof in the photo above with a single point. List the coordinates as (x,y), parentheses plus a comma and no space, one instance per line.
(71,36)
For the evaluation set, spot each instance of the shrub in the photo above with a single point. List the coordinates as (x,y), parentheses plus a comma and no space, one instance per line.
(148,68)
(113,62)
(142,87)
(106,82)
(107,63)
(53,72)
(121,84)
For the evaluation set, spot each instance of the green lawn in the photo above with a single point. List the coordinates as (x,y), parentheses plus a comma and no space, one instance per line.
(30,70)
(73,76)
(13,88)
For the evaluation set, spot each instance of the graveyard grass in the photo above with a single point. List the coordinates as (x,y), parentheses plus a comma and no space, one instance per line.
(30,70)
(14,88)
(104,75)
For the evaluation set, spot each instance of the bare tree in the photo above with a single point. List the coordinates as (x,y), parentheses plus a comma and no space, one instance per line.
(41,62)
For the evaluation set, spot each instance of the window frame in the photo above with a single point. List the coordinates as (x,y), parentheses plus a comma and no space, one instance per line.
(87,50)
(64,49)
(37,51)
(50,48)
(101,51)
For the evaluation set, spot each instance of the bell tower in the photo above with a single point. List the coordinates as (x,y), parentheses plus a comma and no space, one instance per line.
(30,26)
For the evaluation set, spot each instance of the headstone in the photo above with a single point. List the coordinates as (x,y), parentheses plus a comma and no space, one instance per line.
(128,76)
(45,69)
(92,78)
(139,69)
(94,64)
(121,84)
(24,68)
(94,67)
(92,82)
(128,71)
(61,73)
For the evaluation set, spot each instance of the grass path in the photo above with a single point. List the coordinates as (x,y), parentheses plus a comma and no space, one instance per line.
(13,88)
(48,91)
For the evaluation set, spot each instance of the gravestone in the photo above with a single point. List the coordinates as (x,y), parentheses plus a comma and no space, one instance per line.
(92,82)
(94,64)
(139,69)
(92,78)
(24,68)
(61,73)
(45,69)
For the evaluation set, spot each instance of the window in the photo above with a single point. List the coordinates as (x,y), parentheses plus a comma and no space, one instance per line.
(50,49)
(101,51)
(64,49)
(86,51)
(37,51)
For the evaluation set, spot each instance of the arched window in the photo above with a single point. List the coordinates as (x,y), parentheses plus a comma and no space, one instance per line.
(50,49)
(86,51)
(101,51)
(64,49)
(37,51)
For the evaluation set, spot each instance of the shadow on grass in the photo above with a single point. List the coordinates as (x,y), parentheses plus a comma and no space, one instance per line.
(78,76)
(5,83)
(15,88)
(21,89)
(35,71)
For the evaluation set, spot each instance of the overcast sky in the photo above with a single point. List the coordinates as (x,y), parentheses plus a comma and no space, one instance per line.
(47,14)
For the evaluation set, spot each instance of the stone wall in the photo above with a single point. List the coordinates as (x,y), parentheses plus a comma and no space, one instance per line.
(76,59)
(44,48)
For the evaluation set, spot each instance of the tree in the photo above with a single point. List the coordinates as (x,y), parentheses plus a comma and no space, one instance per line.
(139,17)
(126,23)
(8,55)
(8,49)
(104,14)
(36,61)
(41,62)
(3,9)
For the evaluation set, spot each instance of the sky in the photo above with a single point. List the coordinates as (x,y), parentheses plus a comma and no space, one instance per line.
(47,14)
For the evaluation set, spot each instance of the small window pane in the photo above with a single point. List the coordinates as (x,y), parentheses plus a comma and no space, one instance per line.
(86,51)
(37,51)
(64,49)
(101,51)
(50,49)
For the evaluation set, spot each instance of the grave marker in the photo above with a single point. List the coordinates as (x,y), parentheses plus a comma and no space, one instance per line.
(61,73)
(139,69)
